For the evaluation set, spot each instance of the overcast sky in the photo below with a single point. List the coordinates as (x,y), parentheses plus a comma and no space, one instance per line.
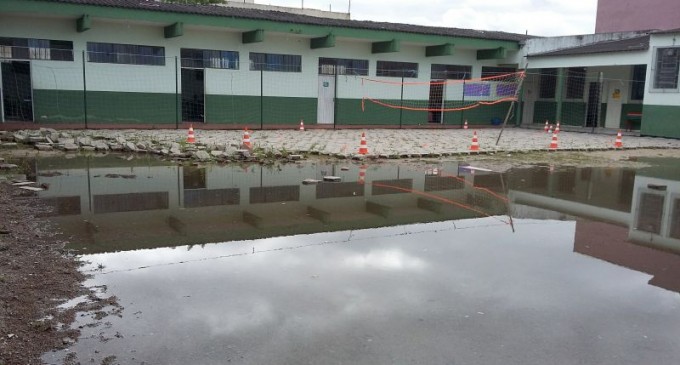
(538,17)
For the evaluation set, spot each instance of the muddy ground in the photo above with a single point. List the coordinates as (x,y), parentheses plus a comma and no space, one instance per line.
(36,275)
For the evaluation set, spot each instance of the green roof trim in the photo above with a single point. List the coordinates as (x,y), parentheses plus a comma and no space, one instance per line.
(270,21)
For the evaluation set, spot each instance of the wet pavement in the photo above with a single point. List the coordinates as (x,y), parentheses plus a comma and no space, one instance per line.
(426,264)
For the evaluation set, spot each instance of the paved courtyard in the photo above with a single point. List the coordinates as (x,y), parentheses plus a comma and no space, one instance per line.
(387,143)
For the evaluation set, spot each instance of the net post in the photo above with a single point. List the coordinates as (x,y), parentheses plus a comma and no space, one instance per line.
(84,92)
(512,104)
(518,113)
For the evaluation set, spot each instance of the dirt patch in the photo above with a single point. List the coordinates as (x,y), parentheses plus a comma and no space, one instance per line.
(36,277)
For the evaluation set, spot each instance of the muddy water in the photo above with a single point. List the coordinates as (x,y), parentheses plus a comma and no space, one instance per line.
(427,264)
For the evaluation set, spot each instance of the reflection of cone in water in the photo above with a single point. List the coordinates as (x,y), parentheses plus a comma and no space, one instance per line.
(553,143)
(363,148)
(302,125)
(191,138)
(475,144)
(545,129)
(246,139)
(362,174)
(619,141)
(465,126)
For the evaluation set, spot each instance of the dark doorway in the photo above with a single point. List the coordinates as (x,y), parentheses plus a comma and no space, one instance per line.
(435,102)
(17,96)
(193,94)
(593,108)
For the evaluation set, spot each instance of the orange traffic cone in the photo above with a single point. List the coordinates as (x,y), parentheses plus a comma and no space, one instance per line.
(550,130)
(465,126)
(362,174)
(545,129)
(557,128)
(363,148)
(302,125)
(191,138)
(475,144)
(619,141)
(553,143)
(246,139)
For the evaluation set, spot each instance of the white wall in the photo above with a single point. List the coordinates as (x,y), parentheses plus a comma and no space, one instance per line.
(161,79)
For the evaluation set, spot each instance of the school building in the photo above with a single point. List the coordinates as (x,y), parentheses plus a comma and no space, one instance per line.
(147,63)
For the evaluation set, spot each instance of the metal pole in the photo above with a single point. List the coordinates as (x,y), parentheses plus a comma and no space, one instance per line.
(512,105)
(335,98)
(262,97)
(84,92)
(600,81)
(462,104)
(518,113)
(176,96)
(443,106)
(507,202)
(401,102)
(559,94)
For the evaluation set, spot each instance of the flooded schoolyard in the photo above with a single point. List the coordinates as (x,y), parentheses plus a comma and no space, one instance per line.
(399,263)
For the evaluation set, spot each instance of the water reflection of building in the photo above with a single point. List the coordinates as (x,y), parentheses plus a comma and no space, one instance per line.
(648,206)
(611,243)
(111,204)
(635,219)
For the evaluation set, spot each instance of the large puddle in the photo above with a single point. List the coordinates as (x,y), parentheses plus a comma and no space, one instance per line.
(412,263)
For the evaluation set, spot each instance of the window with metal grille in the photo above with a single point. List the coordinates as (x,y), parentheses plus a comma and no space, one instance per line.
(490,71)
(129,54)
(547,84)
(275,62)
(650,213)
(343,66)
(667,67)
(208,58)
(397,69)
(637,87)
(576,82)
(451,72)
(36,49)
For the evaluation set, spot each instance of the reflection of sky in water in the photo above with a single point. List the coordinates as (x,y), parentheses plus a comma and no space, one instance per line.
(468,292)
